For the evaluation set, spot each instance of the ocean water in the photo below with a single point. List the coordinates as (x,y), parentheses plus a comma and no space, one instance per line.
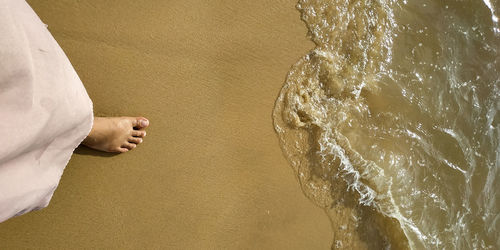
(391,122)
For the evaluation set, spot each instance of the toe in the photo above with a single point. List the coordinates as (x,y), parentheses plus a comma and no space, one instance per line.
(129,146)
(122,150)
(135,140)
(140,122)
(138,133)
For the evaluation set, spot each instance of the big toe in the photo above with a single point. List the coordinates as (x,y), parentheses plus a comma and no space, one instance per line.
(140,122)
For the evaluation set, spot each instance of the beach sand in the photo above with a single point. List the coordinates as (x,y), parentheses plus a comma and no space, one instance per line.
(210,173)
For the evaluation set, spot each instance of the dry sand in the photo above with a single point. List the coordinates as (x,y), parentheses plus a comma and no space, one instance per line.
(210,174)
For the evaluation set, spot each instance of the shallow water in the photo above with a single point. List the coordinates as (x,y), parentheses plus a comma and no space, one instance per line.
(391,121)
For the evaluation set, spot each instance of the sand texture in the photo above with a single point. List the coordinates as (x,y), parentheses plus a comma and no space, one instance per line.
(210,174)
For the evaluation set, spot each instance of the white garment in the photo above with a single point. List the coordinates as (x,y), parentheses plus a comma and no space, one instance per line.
(45,111)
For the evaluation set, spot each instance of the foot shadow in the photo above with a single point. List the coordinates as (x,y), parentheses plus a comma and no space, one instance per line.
(84,150)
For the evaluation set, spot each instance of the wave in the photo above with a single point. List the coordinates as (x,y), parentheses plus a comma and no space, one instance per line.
(365,121)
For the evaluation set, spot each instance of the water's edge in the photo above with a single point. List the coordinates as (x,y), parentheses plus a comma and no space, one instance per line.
(382,122)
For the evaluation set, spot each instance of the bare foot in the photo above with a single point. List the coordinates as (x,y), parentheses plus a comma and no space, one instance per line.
(116,134)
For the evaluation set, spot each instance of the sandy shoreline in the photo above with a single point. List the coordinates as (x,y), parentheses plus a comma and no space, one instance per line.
(210,173)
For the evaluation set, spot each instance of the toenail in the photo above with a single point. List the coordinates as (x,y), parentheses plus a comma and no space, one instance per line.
(144,123)
(144,133)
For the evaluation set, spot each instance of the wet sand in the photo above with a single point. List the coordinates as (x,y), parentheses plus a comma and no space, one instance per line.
(210,173)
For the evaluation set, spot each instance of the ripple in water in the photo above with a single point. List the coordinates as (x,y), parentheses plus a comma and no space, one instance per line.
(391,121)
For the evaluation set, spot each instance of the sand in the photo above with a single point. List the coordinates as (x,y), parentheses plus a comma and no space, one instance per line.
(210,173)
